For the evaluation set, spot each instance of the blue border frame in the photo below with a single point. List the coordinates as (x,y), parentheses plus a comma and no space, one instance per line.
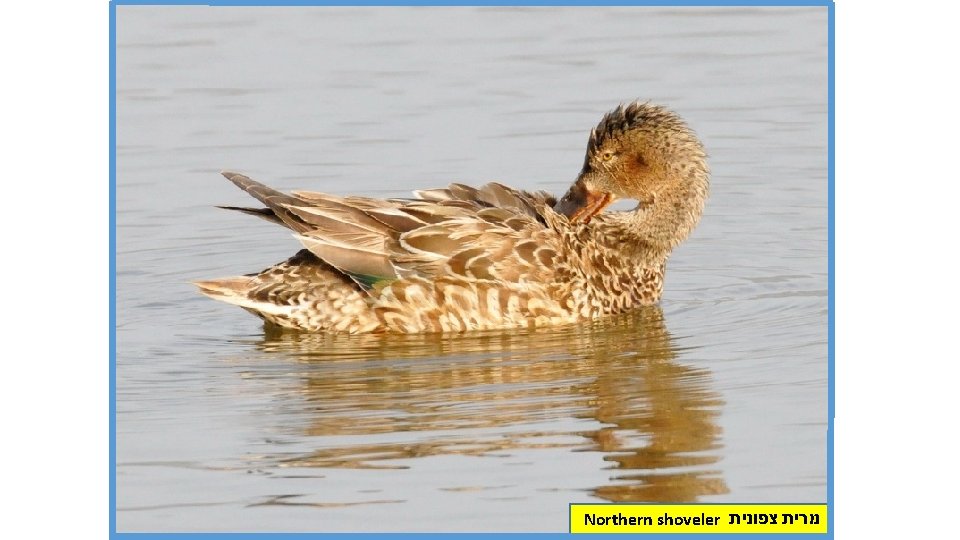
(603,3)
(831,304)
(113,269)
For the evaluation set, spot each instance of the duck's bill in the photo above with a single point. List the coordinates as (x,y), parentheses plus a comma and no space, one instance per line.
(581,203)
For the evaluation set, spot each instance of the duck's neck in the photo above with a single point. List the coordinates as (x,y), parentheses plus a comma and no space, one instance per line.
(665,218)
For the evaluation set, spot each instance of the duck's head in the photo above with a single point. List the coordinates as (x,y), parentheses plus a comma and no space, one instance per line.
(638,151)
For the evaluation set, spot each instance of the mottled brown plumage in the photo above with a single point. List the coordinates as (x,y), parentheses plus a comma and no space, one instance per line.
(464,258)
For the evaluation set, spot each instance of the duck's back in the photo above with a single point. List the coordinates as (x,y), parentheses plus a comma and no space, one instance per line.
(455,259)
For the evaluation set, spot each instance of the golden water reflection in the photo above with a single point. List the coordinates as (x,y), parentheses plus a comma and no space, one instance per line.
(613,387)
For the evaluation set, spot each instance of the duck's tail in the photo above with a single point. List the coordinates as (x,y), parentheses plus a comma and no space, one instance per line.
(277,203)
(238,291)
(302,292)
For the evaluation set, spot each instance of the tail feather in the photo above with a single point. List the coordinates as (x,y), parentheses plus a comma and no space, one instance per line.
(275,201)
(263,213)
(229,289)
(236,291)
(258,191)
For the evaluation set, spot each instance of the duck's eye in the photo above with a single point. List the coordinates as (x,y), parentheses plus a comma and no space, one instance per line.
(606,156)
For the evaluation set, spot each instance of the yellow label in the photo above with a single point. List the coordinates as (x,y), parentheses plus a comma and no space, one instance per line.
(698,518)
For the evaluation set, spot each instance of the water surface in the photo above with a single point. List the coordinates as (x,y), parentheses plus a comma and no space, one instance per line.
(718,395)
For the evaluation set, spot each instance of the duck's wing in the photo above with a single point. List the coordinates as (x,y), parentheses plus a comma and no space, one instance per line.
(494,195)
(492,233)
(276,202)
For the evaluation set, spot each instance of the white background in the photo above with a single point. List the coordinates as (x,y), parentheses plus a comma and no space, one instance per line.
(897,109)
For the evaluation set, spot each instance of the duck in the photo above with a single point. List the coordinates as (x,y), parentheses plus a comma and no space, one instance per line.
(464,258)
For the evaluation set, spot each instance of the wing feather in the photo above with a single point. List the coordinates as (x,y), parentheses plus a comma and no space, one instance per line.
(491,233)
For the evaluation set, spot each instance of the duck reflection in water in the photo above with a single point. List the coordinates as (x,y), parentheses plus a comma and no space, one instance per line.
(657,416)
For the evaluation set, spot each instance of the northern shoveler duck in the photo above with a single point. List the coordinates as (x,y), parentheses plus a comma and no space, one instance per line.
(464,258)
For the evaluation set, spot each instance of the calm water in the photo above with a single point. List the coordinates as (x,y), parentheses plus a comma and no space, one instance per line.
(718,395)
